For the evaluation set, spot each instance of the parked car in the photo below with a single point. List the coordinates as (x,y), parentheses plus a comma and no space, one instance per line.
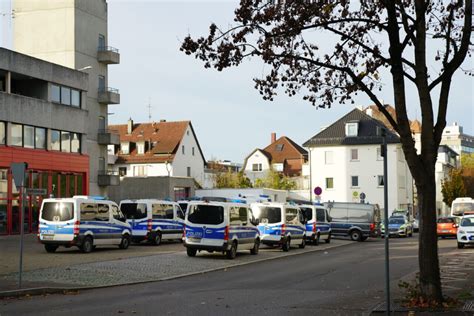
(317,223)
(416,225)
(82,221)
(465,234)
(447,226)
(220,226)
(153,220)
(356,220)
(280,224)
(398,226)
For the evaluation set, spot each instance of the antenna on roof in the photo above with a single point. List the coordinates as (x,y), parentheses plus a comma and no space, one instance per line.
(149,110)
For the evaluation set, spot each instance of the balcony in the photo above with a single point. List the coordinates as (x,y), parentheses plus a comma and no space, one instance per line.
(108,137)
(108,55)
(108,178)
(109,96)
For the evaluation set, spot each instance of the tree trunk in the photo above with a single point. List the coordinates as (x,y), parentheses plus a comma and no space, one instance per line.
(430,283)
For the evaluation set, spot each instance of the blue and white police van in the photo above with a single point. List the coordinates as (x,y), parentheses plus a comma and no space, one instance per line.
(280,224)
(153,220)
(317,223)
(220,226)
(82,221)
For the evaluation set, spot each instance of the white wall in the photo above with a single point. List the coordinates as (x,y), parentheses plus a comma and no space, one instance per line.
(250,194)
(367,167)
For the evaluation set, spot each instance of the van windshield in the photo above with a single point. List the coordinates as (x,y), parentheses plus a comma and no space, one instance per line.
(133,210)
(458,209)
(57,211)
(206,214)
(268,214)
(307,212)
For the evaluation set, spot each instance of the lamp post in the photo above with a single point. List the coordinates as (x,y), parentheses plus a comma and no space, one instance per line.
(384,154)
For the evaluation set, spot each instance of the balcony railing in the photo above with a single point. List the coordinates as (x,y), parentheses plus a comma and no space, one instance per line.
(108,137)
(108,55)
(109,96)
(108,178)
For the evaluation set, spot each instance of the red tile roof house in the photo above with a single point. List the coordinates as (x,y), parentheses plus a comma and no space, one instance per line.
(283,155)
(157,149)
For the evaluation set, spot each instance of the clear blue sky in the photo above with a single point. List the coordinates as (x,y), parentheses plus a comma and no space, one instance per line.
(228,114)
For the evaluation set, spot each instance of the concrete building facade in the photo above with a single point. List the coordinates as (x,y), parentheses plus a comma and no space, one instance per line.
(37,129)
(73,34)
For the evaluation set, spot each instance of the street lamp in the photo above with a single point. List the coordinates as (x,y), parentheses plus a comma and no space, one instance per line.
(384,154)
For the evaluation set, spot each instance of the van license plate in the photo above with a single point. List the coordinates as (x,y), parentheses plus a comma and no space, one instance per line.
(194,239)
(48,237)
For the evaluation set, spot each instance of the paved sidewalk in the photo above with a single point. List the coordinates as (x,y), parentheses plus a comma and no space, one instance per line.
(144,268)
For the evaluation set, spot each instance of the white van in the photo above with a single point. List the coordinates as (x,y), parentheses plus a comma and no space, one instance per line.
(82,221)
(220,226)
(153,220)
(280,224)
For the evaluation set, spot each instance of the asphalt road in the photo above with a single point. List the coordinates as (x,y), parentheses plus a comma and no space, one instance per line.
(346,280)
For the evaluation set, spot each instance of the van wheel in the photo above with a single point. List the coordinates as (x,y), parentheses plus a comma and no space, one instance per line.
(87,245)
(125,242)
(256,247)
(156,239)
(287,245)
(191,252)
(303,243)
(328,240)
(355,235)
(232,252)
(460,245)
(50,248)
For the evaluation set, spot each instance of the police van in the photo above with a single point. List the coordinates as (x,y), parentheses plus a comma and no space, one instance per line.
(220,226)
(280,224)
(82,221)
(317,225)
(153,220)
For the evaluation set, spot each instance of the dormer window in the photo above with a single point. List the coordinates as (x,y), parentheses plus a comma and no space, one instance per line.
(352,129)
(141,148)
(279,147)
(124,147)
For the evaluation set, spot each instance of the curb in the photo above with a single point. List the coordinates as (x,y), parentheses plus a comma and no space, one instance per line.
(65,290)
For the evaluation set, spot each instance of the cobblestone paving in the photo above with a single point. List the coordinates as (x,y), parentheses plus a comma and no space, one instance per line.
(154,267)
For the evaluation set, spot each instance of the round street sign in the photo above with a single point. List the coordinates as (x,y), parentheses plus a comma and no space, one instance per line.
(318,190)
(362,196)
(355,194)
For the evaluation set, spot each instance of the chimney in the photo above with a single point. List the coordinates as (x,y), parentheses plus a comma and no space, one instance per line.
(129,126)
(274,138)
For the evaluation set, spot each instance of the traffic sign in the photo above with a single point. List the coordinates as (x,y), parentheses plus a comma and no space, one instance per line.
(318,190)
(31,191)
(18,171)
(362,196)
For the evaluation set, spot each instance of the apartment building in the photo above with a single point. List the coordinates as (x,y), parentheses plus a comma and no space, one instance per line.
(73,33)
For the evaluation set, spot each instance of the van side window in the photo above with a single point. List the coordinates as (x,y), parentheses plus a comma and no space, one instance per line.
(88,211)
(243,214)
(117,214)
(308,213)
(291,216)
(179,212)
(133,210)
(103,213)
(162,211)
(301,217)
(234,216)
(320,215)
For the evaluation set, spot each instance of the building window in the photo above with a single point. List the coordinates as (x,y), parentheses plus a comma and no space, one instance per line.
(257,167)
(187,133)
(124,147)
(139,171)
(188,171)
(328,157)
(379,153)
(101,84)
(279,147)
(354,154)
(3,134)
(141,148)
(329,183)
(65,142)
(55,140)
(355,181)
(40,138)
(55,93)
(380,181)
(351,129)
(193,151)
(28,136)
(17,135)
(122,171)
(75,98)
(101,42)
(65,96)
(75,143)
(182,149)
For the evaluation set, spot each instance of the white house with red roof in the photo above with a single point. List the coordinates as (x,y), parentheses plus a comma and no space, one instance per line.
(157,149)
